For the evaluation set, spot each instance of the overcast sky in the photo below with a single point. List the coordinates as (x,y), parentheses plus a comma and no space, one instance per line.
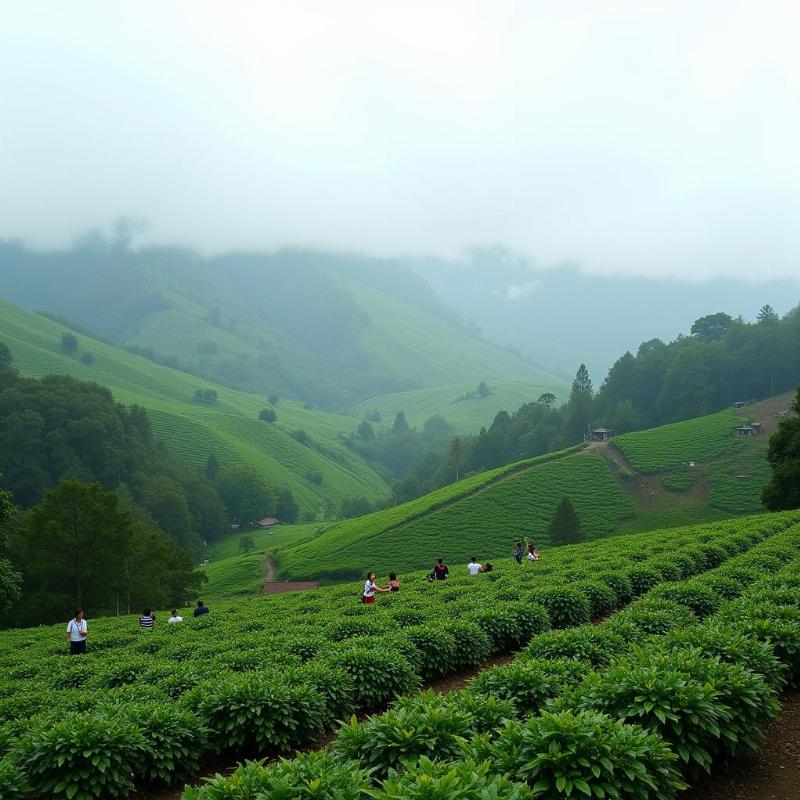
(658,138)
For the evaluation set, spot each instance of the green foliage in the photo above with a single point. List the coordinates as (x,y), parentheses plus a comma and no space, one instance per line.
(69,342)
(466,780)
(425,728)
(12,784)
(700,599)
(267,415)
(565,527)
(575,754)
(783,489)
(566,607)
(175,739)
(530,683)
(257,712)
(82,757)
(595,645)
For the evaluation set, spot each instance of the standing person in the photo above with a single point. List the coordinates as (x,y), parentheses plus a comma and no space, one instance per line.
(201,609)
(440,571)
(176,617)
(473,567)
(77,632)
(147,622)
(370,589)
(518,552)
(394,583)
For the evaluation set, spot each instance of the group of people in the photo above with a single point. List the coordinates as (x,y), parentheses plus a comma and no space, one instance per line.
(371,587)
(78,628)
(533,553)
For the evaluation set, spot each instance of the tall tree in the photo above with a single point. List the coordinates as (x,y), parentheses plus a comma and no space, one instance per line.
(286,508)
(400,423)
(212,467)
(547,399)
(75,534)
(767,314)
(712,326)
(565,526)
(456,454)
(783,489)
(579,406)
(245,493)
(10,579)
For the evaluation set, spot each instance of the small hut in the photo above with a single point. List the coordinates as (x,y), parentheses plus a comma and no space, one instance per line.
(745,430)
(601,435)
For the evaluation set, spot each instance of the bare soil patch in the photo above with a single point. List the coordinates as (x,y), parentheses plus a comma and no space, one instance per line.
(772,774)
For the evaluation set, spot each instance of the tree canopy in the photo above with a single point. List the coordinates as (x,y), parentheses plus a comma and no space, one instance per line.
(783,490)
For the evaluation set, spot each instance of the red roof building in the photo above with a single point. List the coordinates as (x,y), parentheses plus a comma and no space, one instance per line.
(268,522)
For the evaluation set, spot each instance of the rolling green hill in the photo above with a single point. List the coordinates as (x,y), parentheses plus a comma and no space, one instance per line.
(458,403)
(191,430)
(641,481)
(322,327)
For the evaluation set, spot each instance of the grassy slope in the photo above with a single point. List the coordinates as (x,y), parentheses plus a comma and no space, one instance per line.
(465,414)
(229,428)
(651,490)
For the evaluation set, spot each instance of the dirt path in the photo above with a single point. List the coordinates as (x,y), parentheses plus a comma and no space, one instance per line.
(773,774)
(270,570)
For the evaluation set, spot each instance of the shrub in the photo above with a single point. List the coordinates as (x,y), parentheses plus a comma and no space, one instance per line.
(245,783)
(465,780)
(726,588)
(438,650)
(602,599)
(596,645)
(82,756)
(500,624)
(642,579)
(656,617)
(334,685)
(471,644)
(260,713)
(733,646)
(426,727)
(619,584)
(529,683)
(488,712)
(714,554)
(12,784)
(567,607)
(701,600)
(584,753)
(652,690)
(378,675)
(175,740)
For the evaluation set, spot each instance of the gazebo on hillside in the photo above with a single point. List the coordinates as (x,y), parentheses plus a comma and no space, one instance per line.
(601,435)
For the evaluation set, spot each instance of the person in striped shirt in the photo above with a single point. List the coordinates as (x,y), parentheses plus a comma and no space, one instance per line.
(147,622)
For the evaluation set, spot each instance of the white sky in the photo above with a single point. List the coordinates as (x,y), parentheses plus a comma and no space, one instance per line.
(657,138)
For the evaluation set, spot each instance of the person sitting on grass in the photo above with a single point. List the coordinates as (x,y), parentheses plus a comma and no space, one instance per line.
(533,553)
(473,567)
(370,589)
(487,567)
(176,617)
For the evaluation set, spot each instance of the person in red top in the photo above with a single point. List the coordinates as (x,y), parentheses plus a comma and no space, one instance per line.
(440,571)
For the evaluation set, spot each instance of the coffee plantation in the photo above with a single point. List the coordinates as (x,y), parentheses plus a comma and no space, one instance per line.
(695,632)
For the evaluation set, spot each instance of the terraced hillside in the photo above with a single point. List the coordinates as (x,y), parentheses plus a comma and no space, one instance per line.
(460,404)
(641,481)
(191,430)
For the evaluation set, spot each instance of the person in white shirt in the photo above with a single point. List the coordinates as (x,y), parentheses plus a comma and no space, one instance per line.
(474,567)
(370,589)
(77,631)
(175,616)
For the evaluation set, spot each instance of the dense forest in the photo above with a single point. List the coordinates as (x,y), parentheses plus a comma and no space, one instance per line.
(95,511)
(721,361)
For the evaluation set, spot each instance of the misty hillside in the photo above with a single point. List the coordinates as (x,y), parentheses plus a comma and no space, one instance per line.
(323,328)
(565,316)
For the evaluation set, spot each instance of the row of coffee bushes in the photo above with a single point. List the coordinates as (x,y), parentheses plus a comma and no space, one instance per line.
(270,675)
(635,707)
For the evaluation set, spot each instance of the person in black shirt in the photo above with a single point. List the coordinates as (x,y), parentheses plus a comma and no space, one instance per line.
(201,609)
(440,571)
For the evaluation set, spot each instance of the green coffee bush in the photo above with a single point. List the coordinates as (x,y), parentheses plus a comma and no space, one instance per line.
(654,690)
(602,599)
(426,727)
(619,583)
(464,780)
(379,675)
(472,645)
(575,754)
(438,649)
(175,740)
(699,599)
(567,607)
(594,644)
(334,685)
(257,713)
(82,757)
(529,683)
(12,783)
(656,617)
(642,579)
